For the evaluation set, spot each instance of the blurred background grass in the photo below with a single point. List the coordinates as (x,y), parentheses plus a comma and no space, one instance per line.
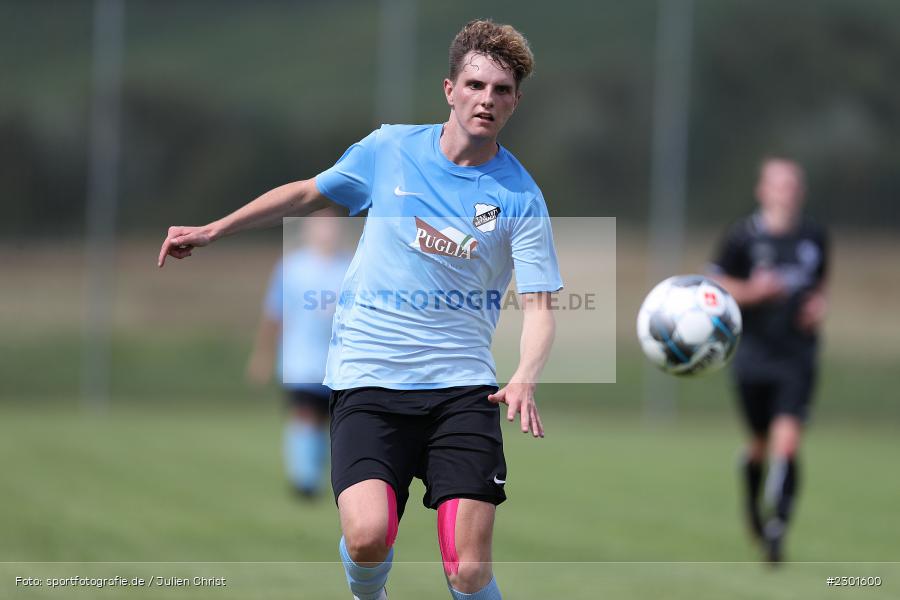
(223,100)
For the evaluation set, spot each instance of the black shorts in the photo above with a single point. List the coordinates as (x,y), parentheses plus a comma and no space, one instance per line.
(449,438)
(317,401)
(763,400)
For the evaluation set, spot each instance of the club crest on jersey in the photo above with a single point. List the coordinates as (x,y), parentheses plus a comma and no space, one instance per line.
(446,242)
(485,219)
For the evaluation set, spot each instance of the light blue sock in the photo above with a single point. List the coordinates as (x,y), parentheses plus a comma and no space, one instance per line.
(305,447)
(488,592)
(366,582)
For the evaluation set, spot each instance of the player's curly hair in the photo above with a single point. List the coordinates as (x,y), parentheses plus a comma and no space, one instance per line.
(503,44)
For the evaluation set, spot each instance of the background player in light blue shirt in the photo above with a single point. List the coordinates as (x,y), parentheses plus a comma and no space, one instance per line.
(296,328)
(415,388)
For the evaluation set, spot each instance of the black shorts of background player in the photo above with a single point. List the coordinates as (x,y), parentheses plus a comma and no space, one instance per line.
(774,263)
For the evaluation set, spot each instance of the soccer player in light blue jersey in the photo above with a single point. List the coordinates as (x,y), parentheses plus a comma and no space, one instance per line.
(295,327)
(451,213)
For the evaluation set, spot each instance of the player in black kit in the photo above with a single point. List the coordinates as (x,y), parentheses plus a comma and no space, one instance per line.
(774,264)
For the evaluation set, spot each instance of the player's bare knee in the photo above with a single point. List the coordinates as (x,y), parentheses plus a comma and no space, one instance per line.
(366,544)
(785,437)
(470,576)
(785,447)
(785,450)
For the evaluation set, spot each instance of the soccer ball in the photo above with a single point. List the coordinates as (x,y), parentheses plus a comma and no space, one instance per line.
(689,325)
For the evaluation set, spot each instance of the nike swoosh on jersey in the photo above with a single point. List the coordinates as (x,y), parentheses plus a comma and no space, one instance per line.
(499,481)
(399,192)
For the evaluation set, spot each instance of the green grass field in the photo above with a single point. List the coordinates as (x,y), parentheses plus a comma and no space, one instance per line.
(196,483)
(182,476)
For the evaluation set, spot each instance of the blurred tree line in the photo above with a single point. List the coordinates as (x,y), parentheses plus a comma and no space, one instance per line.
(224,99)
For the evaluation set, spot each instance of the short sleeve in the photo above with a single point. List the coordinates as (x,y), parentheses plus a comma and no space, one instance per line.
(349,181)
(533,252)
(272,305)
(731,258)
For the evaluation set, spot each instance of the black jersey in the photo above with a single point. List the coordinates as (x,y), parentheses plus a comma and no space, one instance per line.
(772,341)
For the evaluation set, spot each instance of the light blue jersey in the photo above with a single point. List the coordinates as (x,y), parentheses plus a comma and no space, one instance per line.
(296,289)
(422,296)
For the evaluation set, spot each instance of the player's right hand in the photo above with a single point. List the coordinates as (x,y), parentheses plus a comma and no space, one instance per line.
(519,397)
(181,240)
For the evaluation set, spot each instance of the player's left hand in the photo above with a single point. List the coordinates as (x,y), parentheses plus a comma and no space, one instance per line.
(812,312)
(519,397)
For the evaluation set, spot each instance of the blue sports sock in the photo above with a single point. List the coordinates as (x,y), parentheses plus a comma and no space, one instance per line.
(305,453)
(366,582)
(488,592)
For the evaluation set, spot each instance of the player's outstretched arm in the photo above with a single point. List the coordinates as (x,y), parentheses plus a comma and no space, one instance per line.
(296,199)
(538,330)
